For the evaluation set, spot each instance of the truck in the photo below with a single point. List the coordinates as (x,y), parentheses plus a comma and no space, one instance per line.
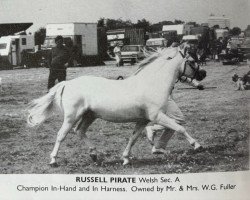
(206,36)
(125,36)
(13,49)
(86,38)
(182,29)
(174,33)
(171,36)
(221,33)
(194,39)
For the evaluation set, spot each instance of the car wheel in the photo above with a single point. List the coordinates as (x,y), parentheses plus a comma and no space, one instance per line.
(121,63)
(132,61)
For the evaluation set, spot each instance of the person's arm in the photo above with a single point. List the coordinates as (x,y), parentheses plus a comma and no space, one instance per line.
(49,54)
(69,58)
(192,82)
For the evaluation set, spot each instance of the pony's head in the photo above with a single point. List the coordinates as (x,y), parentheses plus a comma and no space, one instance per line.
(190,67)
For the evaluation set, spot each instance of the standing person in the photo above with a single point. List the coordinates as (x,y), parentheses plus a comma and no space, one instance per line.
(59,59)
(70,47)
(174,112)
(117,52)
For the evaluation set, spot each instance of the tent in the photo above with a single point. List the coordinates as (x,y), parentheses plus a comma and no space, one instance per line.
(12,28)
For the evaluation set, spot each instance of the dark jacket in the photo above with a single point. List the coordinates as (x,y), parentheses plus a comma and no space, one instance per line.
(58,57)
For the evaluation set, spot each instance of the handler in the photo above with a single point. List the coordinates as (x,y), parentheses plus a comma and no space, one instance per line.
(58,61)
(117,52)
(174,112)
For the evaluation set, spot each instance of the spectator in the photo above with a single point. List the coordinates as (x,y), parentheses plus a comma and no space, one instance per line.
(59,60)
(117,52)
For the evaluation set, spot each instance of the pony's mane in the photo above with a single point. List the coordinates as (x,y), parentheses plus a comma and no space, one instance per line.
(152,56)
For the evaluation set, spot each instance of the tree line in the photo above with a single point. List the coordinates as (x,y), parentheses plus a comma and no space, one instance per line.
(110,24)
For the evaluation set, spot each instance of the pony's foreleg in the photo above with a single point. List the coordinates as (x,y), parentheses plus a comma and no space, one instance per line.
(168,122)
(137,131)
(67,125)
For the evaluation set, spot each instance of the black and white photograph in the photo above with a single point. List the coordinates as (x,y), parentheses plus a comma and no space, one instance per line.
(125,89)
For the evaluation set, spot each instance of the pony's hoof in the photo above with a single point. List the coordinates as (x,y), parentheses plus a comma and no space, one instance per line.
(93,157)
(199,148)
(125,161)
(54,164)
(159,151)
(196,145)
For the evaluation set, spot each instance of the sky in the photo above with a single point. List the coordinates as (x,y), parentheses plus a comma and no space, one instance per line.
(41,12)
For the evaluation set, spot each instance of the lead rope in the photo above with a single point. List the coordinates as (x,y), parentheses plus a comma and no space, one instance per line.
(179,79)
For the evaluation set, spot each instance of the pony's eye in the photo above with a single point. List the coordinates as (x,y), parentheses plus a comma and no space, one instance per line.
(192,61)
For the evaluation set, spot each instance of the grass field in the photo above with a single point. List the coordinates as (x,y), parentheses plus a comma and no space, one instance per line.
(218,118)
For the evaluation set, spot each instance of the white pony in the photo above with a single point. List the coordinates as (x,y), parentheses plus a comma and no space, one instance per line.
(140,98)
(1,88)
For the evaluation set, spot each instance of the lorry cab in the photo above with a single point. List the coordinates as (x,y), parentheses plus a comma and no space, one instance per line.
(156,43)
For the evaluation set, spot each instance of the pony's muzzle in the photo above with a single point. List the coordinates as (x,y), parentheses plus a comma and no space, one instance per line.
(201,74)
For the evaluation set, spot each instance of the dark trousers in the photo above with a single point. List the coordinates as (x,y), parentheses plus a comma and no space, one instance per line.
(54,75)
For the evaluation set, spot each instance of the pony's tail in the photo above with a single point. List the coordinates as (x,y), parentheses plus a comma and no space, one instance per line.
(42,108)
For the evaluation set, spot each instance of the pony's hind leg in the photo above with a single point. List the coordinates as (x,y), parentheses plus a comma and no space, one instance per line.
(71,116)
(166,121)
(81,129)
(137,131)
(67,125)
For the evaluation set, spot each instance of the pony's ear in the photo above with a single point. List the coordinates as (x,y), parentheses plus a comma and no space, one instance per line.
(184,47)
(185,50)
(181,46)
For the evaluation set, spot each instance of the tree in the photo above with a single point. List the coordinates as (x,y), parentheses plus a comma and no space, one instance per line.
(235,31)
(177,21)
(142,24)
(216,26)
(40,36)
(158,26)
(114,23)
(100,22)
(193,23)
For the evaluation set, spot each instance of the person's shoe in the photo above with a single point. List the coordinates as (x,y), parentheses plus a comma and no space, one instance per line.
(150,135)
(159,150)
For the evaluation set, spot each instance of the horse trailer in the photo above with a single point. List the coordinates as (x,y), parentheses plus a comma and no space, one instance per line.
(85,38)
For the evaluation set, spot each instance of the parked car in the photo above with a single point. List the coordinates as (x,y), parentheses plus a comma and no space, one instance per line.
(155,43)
(245,48)
(132,54)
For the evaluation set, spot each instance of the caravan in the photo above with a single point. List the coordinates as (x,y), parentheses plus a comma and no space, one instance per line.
(85,38)
(12,49)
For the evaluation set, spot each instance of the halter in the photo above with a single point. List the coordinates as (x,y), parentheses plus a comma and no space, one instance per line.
(185,66)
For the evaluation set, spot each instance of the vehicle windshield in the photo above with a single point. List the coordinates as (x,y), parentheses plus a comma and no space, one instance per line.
(130,48)
(236,41)
(246,42)
(49,42)
(154,43)
(3,45)
(192,41)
